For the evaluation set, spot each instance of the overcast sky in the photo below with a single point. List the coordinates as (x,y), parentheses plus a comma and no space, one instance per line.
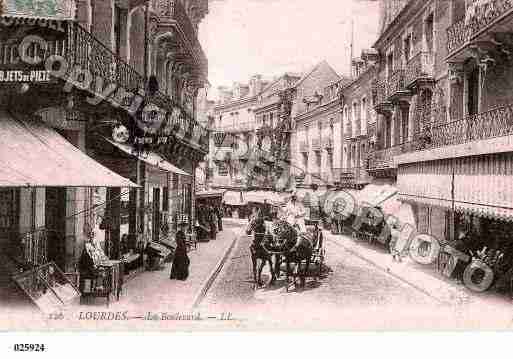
(269,37)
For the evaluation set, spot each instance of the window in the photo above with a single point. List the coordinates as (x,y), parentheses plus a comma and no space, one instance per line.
(390,64)
(429,28)
(222,169)
(473,92)
(407,48)
(271,120)
(117,30)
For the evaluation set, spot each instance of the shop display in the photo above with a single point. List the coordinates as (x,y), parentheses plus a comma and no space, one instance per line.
(47,287)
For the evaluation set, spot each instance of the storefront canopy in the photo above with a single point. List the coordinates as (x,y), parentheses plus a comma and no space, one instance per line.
(151,158)
(270,197)
(33,154)
(210,194)
(233,198)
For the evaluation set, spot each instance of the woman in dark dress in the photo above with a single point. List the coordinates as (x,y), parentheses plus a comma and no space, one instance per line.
(180,267)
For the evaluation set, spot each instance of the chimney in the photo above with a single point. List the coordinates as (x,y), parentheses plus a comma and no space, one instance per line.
(255,85)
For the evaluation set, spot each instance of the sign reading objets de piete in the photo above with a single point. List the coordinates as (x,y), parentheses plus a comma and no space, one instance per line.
(49,9)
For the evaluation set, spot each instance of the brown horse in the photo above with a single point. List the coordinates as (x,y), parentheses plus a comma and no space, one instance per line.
(257,226)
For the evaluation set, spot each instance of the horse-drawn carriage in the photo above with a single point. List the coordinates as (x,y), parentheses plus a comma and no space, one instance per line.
(298,255)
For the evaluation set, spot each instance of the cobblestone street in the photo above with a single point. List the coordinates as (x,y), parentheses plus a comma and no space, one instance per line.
(354,294)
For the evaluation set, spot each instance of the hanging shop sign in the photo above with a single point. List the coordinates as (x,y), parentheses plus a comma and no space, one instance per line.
(45,9)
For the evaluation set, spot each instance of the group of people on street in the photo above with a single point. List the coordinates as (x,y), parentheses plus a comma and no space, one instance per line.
(209,217)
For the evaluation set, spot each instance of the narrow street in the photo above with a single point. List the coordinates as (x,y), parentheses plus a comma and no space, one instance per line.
(350,289)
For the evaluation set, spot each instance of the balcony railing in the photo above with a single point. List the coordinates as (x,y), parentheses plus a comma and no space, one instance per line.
(396,82)
(303,147)
(383,159)
(479,19)
(420,66)
(316,144)
(239,127)
(379,88)
(490,124)
(84,50)
(174,11)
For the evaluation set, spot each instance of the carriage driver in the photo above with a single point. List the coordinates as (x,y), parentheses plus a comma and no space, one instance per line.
(295,214)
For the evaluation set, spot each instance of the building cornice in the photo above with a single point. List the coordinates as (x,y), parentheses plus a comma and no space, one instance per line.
(401,21)
(328,108)
(235,104)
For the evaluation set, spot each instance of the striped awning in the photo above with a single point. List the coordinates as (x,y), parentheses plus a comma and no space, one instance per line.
(480,185)
(33,154)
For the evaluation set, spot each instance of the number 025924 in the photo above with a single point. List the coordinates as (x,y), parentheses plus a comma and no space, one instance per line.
(29,347)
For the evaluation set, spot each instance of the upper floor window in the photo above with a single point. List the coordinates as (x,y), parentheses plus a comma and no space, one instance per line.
(390,63)
(407,48)
(428,32)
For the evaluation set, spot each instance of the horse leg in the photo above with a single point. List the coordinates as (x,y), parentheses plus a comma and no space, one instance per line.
(254,262)
(305,273)
(262,264)
(277,263)
(273,276)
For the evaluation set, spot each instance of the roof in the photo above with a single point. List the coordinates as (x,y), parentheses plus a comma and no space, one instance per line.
(33,154)
(314,68)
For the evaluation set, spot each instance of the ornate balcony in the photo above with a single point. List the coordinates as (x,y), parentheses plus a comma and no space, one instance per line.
(479,20)
(346,177)
(316,144)
(239,127)
(171,13)
(486,125)
(83,51)
(380,92)
(303,147)
(419,70)
(381,162)
(396,86)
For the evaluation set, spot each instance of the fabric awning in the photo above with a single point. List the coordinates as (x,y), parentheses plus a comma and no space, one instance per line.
(151,158)
(210,194)
(33,154)
(480,185)
(233,198)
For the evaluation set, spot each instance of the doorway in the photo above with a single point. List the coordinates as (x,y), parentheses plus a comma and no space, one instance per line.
(55,222)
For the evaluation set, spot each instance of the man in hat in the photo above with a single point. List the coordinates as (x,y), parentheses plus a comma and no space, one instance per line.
(295,214)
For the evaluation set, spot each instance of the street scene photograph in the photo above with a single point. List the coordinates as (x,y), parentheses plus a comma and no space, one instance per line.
(256,165)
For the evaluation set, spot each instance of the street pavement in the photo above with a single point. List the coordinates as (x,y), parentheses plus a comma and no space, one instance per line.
(358,292)
(361,289)
(149,291)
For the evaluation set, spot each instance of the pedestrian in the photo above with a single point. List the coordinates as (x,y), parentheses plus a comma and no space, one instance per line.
(212,222)
(181,262)
(219,218)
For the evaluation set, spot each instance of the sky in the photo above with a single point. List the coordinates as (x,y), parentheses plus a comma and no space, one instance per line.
(269,37)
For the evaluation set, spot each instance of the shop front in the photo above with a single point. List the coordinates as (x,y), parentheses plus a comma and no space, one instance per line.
(47,185)
(465,203)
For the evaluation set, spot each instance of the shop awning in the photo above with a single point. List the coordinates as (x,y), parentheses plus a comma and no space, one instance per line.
(233,198)
(482,185)
(210,194)
(33,154)
(151,158)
